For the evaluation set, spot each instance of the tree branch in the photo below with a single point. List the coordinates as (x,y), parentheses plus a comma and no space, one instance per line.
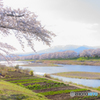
(15,15)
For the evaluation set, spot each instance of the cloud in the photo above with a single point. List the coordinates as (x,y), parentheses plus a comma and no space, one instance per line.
(77,10)
(73,21)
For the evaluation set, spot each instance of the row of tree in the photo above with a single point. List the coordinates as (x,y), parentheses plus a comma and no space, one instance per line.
(64,55)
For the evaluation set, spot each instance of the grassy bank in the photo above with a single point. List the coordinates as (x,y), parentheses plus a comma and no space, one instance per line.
(17,84)
(9,91)
(80,75)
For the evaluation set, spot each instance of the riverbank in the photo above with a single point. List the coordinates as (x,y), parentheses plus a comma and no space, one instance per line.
(72,62)
(97,89)
(80,75)
(28,87)
(10,91)
(40,65)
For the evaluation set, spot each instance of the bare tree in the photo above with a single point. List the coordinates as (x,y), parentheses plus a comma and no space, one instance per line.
(24,25)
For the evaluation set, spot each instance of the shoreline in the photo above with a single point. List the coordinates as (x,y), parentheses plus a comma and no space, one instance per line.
(40,65)
(80,75)
(73,84)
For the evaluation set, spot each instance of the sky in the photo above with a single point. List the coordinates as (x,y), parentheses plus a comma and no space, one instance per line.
(75,22)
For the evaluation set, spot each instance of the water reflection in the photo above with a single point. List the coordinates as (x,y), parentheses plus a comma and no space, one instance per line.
(68,68)
(86,82)
(64,68)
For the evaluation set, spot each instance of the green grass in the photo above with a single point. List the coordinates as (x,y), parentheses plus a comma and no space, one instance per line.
(46,86)
(20,78)
(37,81)
(31,82)
(36,86)
(33,79)
(61,91)
(86,98)
(98,88)
(9,91)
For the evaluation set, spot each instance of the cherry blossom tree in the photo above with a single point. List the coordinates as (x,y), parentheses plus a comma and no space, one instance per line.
(96,52)
(24,25)
(87,53)
(55,55)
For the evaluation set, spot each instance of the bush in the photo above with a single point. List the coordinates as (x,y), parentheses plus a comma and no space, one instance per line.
(4,72)
(31,73)
(7,76)
(47,75)
(82,59)
(17,67)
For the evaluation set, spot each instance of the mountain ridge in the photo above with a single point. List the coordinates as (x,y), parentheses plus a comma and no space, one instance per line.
(60,48)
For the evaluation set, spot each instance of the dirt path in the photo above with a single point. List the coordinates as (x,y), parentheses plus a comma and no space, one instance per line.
(71,84)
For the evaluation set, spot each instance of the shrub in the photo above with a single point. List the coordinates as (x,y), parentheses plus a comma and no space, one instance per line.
(47,75)
(82,59)
(17,67)
(36,86)
(4,72)
(7,76)
(31,72)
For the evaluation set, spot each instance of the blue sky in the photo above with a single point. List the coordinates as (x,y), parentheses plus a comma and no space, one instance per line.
(75,22)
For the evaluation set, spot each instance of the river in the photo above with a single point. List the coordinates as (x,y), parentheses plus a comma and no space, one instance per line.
(65,68)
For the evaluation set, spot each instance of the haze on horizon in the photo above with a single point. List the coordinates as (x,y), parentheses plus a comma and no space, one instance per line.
(75,22)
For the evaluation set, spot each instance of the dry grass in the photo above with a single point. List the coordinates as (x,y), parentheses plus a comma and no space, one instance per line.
(73,62)
(39,65)
(80,75)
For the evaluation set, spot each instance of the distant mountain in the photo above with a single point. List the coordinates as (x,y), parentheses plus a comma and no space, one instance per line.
(78,50)
(75,48)
(59,49)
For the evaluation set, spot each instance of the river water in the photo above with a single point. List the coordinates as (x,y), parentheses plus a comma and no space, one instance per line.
(64,68)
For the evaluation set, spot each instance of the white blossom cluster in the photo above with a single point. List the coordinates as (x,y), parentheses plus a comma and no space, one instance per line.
(24,25)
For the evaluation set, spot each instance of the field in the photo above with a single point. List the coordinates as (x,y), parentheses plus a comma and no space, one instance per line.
(51,89)
(80,75)
(46,87)
(16,84)
(9,91)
